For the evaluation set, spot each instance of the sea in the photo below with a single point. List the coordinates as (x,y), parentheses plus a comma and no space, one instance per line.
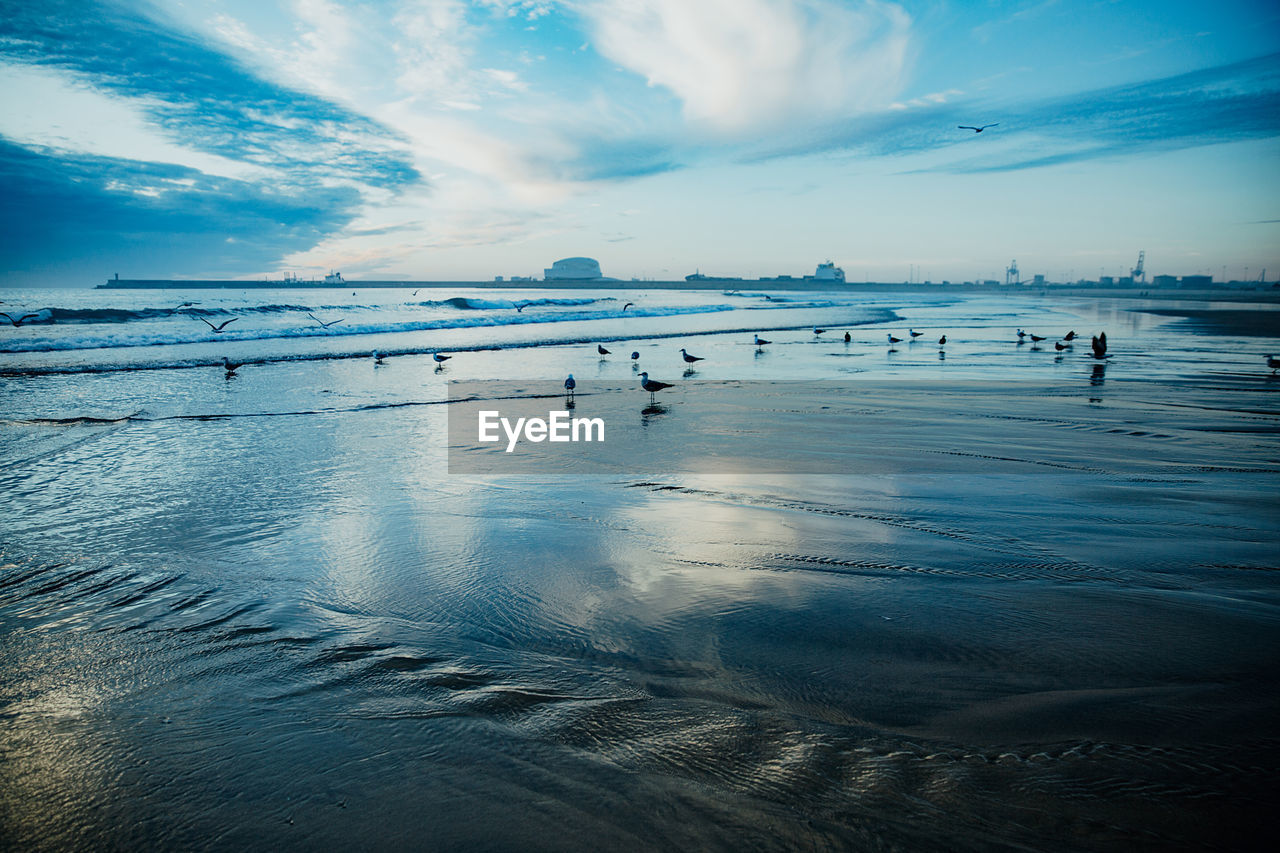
(259,610)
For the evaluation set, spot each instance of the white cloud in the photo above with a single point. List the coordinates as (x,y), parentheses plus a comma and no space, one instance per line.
(740,65)
(53,109)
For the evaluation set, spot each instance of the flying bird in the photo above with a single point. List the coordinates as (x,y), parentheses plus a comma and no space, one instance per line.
(976,129)
(219,328)
(761,341)
(1099,345)
(18,322)
(1070,336)
(690,359)
(628,305)
(652,385)
(322,323)
(601,350)
(519,306)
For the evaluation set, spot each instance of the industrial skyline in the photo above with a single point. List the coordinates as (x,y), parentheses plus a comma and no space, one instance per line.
(442,139)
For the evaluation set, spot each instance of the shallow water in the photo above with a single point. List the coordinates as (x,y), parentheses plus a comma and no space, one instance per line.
(258,612)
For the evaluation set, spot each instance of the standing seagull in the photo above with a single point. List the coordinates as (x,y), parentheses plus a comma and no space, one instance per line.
(377,358)
(690,359)
(569,385)
(942,341)
(818,331)
(1273,363)
(1035,339)
(322,323)
(440,359)
(652,385)
(761,341)
(914,334)
(894,340)
(975,129)
(18,322)
(847,337)
(635,355)
(219,328)
(1060,346)
(1021,334)
(231,366)
(603,352)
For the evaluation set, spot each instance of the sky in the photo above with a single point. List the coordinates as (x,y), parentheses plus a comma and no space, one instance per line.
(453,140)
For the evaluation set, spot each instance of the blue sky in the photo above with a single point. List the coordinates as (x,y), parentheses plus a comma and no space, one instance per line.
(442,139)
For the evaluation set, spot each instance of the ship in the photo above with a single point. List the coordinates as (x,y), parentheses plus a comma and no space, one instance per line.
(829,272)
(334,278)
(698,276)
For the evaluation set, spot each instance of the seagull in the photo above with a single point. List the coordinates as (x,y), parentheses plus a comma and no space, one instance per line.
(1273,363)
(1060,346)
(377,359)
(18,322)
(601,350)
(1099,345)
(1070,336)
(440,359)
(628,305)
(975,129)
(1021,334)
(231,366)
(322,323)
(415,293)
(761,341)
(180,307)
(635,356)
(894,340)
(1036,339)
(818,331)
(218,329)
(519,306)
(914,333)
(652,385)
(942,341)
(847,337)
(690,359)
(569,385)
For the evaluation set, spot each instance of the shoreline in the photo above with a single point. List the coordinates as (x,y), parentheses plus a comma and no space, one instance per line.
(1224,294)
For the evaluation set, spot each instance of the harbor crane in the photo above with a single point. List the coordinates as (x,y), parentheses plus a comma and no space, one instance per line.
(1139,274)
(1011,275)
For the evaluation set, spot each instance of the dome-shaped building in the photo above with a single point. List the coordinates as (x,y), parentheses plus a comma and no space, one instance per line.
(577,269)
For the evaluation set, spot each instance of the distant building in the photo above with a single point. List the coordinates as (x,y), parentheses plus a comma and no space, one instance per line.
(1164,281)
(1107,281)
(1037,281)
(497,278)
(1197,281)
(573,269)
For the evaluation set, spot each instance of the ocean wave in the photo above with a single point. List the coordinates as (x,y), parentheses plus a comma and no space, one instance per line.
(168,337)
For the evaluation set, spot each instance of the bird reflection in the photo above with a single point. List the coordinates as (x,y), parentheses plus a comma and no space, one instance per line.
(651,411)
(1099,374)
(689,371)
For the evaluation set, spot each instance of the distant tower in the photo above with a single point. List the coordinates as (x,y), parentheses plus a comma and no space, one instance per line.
(1011,275)
(1139,274)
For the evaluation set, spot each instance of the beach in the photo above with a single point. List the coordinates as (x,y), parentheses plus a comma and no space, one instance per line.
(816,595)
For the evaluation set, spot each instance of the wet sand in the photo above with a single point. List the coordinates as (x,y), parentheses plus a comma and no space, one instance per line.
(1041,614)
